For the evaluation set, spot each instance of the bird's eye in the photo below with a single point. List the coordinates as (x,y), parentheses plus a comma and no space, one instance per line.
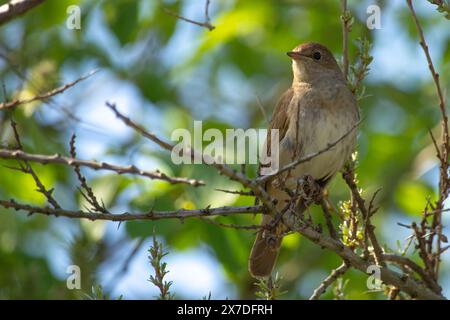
(317,55)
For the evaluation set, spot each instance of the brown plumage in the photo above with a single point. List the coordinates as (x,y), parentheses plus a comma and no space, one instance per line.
(318,109)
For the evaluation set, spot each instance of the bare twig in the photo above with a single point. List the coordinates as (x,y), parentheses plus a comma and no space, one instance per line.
(89,195)
(151,215)
(442,153)
(242,193)
(403,261)
(410,286)
(28,169)
(328,219)
(206,24)
(58,159)
(44,96)
(35,86)
(15,8)
(349,178)
(336,273)
(346,19)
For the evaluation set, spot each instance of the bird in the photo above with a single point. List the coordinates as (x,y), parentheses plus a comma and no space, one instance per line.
(317,110)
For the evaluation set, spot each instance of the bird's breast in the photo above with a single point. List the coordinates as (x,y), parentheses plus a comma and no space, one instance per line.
(318,125)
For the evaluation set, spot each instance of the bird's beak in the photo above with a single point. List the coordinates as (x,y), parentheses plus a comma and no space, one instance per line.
(294,55)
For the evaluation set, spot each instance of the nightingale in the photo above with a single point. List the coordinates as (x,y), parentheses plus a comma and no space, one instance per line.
(315,111)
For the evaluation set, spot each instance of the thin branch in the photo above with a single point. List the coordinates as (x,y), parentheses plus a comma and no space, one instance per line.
(426,51)
(346,19)
(349,178)
(242,193)
(443,153)
(206,24)
(47,95)
(151,215)
(58,159)
(403,261)
(421,246)
(89,196)
(50,102)
(15,8)
(28,169)
(328,219)
(138,128)
(336,273)
(410,286)
(208,19)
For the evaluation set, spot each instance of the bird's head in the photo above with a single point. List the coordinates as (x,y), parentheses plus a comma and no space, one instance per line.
(313,61)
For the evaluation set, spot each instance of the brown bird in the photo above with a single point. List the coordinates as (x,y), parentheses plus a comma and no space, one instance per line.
(315,111)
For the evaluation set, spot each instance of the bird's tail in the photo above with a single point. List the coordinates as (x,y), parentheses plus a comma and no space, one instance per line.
(265,249)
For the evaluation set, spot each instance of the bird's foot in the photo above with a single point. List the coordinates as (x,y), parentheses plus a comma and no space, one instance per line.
(309,190)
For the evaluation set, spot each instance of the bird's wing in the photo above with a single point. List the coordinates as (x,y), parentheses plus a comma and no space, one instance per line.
(280,119)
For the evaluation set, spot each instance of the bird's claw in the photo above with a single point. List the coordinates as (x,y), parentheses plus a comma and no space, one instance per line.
(309,190)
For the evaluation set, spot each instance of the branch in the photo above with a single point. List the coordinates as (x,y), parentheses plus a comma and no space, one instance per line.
(328,219)
(58,159)
(207,24)
(346,19)
(15,8)
(126,216)
(443,153)
(28,169)
(47,95)
(405,284)
(349,177)
(403,261)
(88,195)
(412,287)
(336,273)
(434,74)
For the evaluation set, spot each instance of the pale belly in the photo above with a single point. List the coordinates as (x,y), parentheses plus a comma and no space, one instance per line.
(315,132)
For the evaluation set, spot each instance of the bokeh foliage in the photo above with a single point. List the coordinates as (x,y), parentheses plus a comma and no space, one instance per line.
(179,73)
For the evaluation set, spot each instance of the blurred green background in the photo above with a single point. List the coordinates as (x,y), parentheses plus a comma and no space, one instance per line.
(166,73)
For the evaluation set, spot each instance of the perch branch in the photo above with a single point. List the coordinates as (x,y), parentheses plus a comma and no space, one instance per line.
(151,215)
